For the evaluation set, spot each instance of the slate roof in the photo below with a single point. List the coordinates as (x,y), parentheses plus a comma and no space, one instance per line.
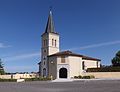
(69,53)
(50,25)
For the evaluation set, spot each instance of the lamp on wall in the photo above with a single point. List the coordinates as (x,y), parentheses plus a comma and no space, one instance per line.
(51,62)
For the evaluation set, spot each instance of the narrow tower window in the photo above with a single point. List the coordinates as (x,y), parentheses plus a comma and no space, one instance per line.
(55,43)
(44,43)
(83,65)
(97,63)
(52,42)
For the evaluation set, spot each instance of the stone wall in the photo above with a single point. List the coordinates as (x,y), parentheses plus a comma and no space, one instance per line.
(18,76)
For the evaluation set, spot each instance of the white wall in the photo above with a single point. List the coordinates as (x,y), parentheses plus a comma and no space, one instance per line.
(91,64)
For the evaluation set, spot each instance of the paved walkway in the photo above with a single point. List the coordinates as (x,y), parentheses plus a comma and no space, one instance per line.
(71,80)
(62,80)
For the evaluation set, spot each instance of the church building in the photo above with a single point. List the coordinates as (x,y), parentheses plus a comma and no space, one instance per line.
(61,64)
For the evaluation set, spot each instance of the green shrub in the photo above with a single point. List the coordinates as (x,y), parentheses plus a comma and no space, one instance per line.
(76,77)
(80,77)
(84,77)
(92,76)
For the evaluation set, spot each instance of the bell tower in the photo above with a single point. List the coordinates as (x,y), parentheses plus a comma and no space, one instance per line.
(50,44)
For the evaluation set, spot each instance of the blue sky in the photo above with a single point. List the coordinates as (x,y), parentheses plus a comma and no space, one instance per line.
(88,27)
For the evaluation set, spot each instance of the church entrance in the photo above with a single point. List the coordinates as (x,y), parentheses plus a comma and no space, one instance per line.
(63,73)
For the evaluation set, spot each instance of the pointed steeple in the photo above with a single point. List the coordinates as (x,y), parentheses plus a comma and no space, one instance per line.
(50,24)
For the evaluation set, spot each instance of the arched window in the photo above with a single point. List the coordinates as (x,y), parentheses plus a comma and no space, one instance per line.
(55,43)
(52,42)
(44,72)
(83,65)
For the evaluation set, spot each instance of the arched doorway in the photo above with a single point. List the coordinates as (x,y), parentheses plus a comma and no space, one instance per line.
(63,73)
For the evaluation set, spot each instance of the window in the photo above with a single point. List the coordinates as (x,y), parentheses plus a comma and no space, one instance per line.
(55,43)
(44,43)
(83,65)
(44,57)
(52,42)
(97,63)
(44,63)
(44,72)
(44,51)
(62,59)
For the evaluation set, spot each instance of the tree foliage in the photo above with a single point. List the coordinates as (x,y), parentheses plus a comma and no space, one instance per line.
(116,59)
(1,68)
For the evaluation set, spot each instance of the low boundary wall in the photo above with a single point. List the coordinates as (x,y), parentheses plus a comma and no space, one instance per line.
(110,75)
(18,76)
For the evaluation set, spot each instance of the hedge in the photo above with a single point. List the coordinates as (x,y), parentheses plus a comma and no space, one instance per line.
(37,79)
(84,77)
(8,80)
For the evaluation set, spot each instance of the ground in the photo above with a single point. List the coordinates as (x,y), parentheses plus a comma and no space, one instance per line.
(77,86)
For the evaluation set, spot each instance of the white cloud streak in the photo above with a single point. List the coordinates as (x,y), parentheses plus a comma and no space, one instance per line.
(22,56)
(96,45)
(31,55)
(2,45)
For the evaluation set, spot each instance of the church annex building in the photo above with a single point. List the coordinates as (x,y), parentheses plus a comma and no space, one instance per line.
(61,64)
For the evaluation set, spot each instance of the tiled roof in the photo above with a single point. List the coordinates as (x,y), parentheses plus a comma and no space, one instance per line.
(69,53)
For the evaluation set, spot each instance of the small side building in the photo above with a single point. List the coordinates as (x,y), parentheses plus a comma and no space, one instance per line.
(67,64)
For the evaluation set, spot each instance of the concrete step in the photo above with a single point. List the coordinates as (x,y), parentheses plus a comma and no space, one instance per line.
(62,80)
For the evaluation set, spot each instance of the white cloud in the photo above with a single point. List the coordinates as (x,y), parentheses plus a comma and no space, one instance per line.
(2,45)
(96,45)
(22,56)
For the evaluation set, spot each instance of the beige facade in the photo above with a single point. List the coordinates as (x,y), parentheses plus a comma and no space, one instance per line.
(73,65)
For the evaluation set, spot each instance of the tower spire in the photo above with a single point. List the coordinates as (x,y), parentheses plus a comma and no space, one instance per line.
(50,24)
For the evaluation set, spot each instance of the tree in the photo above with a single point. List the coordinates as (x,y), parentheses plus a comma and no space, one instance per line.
(1,68)
(116,59)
